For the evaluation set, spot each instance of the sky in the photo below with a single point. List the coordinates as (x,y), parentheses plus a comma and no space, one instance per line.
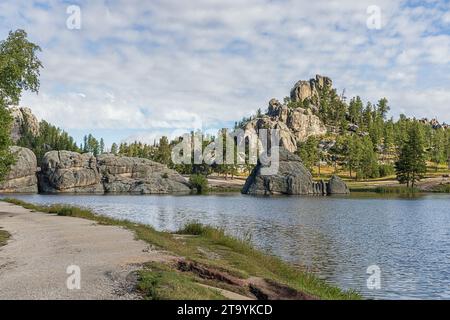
(135,70)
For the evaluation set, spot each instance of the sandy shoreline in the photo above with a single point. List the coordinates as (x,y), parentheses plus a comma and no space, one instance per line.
(33,264)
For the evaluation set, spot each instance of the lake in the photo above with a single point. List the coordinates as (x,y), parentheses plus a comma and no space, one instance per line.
(337,238)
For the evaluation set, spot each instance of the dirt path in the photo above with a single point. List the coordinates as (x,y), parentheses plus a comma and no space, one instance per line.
(33,264)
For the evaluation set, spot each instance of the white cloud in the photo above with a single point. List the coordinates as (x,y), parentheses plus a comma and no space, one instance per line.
(161,65)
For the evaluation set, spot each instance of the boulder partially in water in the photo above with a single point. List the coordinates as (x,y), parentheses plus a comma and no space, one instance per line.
(292,178)
(337,186)
(22,175)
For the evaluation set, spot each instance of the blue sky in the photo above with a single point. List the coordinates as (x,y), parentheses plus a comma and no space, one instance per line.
(141,69)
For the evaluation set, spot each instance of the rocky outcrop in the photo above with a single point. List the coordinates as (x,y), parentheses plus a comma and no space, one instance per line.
(287,138)
(301,122)
(292,179)
(23,119)
(66,171)
(309,90)
(294,125)
(136,175)
(337,186)
(294,122)
(22,175)
(71,172)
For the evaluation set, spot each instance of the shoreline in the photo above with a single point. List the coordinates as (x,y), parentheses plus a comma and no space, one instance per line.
(200,262)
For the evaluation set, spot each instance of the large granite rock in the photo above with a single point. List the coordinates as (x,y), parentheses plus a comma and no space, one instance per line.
(292,179)
(303,90)
(71,172)
(22,175)
(287,138)
(136,175)
(66,171)
(23,118)
(301,122)
(337,186)
(295,124)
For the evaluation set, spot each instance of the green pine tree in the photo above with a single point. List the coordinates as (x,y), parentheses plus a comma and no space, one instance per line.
(411,165)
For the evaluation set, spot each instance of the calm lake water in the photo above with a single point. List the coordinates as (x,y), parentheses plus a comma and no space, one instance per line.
(337,238)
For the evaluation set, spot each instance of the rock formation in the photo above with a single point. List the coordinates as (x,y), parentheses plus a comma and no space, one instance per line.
(135,175)
(66,171)
(303,90)
(71,172)
(23,117)
(22,176)
(337,186)
(292,179)
(295,124)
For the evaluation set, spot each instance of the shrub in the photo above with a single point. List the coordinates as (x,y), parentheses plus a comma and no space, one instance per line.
(199,182)
(386,170)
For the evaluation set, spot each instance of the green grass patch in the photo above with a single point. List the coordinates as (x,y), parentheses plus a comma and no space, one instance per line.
(386,189)
(443,188)
(160,282)
(208,246)
(4,236)
(397,190)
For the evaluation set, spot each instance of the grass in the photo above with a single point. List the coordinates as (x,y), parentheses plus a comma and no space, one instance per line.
(4,236)
(160,282)
(209,247)
(224,189)
(443,188)
(387,190)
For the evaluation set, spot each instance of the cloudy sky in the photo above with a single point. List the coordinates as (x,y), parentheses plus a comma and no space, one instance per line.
(140,69)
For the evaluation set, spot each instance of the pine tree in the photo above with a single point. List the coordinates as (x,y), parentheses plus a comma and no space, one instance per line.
(369,162)
(309,152)
(114,148)
(411,165)
(438,152)
(102,146)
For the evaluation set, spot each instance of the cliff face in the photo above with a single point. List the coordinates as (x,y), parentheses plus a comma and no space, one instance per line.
(303,90)
(136,175)
(295,124)
(65,171)
(22,176)
(23,117)
(71,172)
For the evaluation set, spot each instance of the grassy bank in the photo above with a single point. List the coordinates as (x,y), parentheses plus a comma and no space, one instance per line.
(207,257)
(4,236)
(441,188)
(387,190)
